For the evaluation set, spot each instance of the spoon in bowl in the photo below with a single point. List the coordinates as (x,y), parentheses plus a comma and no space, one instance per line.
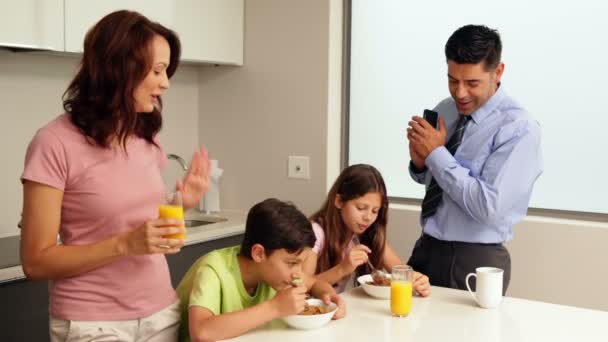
(376,273)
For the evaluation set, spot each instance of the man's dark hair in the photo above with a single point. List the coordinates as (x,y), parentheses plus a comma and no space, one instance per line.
(472,44)
(275,224)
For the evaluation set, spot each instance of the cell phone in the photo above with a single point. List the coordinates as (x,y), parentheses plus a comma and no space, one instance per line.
(431,117)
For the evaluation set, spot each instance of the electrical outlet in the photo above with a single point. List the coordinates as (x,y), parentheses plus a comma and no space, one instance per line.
(298,167)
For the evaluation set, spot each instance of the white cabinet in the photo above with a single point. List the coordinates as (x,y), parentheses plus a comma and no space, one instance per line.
(210,31)
(81,15)
(32,24)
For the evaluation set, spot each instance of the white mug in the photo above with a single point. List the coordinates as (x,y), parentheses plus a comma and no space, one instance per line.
(488,292)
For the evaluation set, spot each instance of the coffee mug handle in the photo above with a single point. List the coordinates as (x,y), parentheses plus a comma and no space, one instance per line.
(467,282)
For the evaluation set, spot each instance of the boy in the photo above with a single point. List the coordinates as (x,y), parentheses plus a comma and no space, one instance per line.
(233,290)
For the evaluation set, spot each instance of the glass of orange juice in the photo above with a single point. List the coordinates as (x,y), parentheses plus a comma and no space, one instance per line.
(401,290)
(172,207)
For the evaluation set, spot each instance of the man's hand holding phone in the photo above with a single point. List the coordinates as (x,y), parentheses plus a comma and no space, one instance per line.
(424,137)
(432,117)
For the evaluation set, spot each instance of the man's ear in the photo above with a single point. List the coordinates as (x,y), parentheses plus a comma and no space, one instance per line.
(258,253)
(338,203)
(500,69)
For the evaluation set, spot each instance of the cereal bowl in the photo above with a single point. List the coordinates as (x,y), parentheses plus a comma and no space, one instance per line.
(312,321)
(381,292)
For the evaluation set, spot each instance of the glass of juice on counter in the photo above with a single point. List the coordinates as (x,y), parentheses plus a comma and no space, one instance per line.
(401,290)
(172,207)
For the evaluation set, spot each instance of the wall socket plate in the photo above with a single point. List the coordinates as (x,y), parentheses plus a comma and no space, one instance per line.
(298,167)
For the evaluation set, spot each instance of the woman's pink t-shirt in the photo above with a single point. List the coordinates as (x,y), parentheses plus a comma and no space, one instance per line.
(105,192)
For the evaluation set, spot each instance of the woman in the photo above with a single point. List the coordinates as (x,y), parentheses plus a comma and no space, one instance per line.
(93,176)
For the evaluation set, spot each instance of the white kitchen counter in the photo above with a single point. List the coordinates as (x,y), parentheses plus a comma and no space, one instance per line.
(233,225)
(447,315)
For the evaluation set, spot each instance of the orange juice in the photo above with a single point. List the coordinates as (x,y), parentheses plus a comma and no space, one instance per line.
(401,297)
(172,211)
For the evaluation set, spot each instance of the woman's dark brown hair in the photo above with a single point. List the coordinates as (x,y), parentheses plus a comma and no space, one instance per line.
(117,57)
(354,181)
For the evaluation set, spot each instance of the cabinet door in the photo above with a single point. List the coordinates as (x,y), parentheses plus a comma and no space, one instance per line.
(32,24)
(80,16)
(24,311)
(211,31)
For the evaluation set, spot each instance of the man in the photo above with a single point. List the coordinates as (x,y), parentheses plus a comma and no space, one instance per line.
(479,165)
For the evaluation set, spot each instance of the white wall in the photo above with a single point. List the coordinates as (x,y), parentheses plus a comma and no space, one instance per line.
(31,87)
(253,117)
(554,258)
(30,92)
(554,67)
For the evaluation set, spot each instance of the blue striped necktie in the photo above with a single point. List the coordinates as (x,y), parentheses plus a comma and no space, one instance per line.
(434,193)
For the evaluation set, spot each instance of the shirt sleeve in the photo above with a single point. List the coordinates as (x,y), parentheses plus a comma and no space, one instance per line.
(507,176)
(206,290)
(46,161)
(320,235)
(417,176)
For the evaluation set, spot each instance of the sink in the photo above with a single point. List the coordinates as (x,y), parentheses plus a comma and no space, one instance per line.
(201,222)
(196,223)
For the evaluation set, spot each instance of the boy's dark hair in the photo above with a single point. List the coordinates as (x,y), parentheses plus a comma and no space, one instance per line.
(275,224)
(472,44)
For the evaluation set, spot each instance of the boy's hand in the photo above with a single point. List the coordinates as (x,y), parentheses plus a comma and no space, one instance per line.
(290,301)
(327,298)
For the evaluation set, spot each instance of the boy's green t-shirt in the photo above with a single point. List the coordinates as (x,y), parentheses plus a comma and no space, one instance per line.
(214,282)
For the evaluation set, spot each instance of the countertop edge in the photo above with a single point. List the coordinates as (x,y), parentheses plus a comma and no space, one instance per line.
(10,274)
(234,225)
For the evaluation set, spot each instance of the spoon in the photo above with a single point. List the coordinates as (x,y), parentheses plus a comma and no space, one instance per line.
(375,272)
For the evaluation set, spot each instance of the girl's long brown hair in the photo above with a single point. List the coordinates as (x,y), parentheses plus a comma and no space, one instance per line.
(117,57)
(354,181)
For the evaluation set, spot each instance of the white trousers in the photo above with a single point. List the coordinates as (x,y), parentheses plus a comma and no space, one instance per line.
(159,327)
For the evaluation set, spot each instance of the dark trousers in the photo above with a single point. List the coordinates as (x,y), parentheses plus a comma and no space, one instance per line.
(447,263)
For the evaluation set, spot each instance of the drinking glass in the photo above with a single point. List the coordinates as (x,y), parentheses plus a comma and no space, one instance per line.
(401,290)
(172,207)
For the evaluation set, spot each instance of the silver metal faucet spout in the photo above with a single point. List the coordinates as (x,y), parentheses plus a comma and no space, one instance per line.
(178,159)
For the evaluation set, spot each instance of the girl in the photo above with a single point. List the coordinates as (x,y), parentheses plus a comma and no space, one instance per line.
(93,176)
(351,229)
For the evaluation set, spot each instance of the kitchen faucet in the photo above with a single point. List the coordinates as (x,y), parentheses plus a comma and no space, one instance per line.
(178,159)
